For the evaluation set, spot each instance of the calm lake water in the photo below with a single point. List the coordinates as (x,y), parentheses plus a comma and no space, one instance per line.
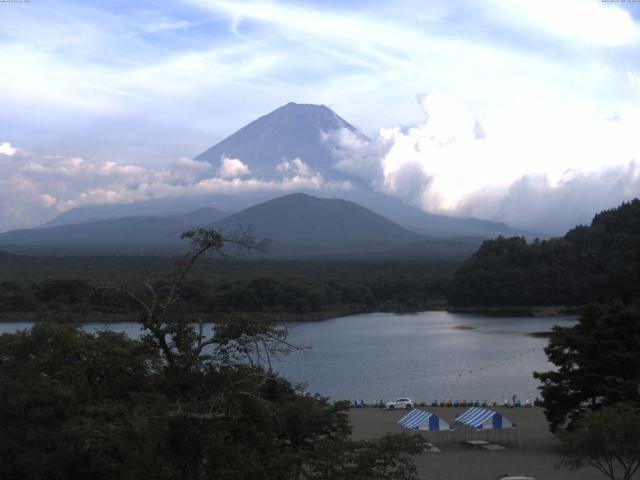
(427,355)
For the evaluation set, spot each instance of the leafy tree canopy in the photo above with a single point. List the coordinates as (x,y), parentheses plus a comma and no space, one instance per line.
(598,364)
(590,263)
(608,440)
(176,405)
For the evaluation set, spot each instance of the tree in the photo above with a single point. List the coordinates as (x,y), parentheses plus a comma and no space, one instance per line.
(75,405)
(176,405)
(162,317)
(387,458)
(598,364)
(607,439)
(599,262)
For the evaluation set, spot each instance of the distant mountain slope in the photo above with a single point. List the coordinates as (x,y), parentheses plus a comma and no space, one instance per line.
(303,218)
(407,216)
(289,132)
(292,131)
(125,231)
(168,206)
(301,225)
(298,226)
(419,221)
(590,263)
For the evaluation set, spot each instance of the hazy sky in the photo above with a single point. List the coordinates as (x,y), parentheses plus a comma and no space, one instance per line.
(521,111)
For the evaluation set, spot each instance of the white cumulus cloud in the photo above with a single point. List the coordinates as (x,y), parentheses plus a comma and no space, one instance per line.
(7,149)
(295,167)
(232,167)
(34,188)
(537,166)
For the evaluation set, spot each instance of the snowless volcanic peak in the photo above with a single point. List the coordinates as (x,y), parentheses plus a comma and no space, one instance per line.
(298,217)
(269,145)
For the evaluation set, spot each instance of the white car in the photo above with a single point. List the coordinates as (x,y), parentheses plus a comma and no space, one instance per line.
(400,403)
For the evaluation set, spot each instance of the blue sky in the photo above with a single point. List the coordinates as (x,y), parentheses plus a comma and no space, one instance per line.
(138,85)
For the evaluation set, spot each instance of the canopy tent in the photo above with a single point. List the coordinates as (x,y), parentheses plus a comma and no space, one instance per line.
(421,420)
(483,419)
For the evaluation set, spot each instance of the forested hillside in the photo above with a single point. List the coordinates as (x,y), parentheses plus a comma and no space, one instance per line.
(37,286)
(589,264)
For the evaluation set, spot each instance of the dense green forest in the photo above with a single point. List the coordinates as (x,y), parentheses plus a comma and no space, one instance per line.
(592,263)
(302,289)
(589,264)
(176,404)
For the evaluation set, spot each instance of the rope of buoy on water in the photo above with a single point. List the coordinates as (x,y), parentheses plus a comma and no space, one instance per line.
(499,362)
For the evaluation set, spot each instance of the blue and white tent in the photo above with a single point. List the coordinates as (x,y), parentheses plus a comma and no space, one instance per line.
(483,419)
(421,420)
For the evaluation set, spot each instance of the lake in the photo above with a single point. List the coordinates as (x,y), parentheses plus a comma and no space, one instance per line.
(427,355)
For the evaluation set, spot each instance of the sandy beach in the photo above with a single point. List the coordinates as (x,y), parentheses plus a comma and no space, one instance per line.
(533,452)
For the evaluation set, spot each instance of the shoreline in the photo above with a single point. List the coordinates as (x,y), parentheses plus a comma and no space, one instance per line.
(520,311)
(288,317)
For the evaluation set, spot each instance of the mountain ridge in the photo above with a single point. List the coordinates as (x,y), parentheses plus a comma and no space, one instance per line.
(288,132)
(302,217)
(598,262)
(298,225)
(121,231)
(268,146)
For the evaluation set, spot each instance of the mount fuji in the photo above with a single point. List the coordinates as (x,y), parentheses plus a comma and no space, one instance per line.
(284,152)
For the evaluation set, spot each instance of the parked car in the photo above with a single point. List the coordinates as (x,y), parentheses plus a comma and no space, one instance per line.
(399,403)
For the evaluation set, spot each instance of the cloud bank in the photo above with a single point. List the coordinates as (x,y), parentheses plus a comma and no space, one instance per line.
(542,167)
(535,166)
(33,188)
(546,100)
